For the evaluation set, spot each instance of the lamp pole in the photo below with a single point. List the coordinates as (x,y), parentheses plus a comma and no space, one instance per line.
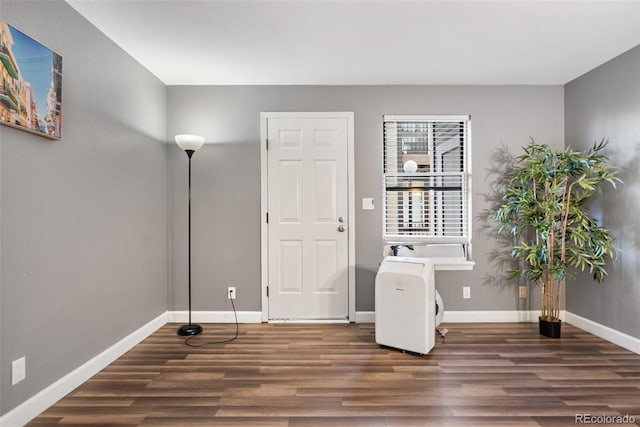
(189,143)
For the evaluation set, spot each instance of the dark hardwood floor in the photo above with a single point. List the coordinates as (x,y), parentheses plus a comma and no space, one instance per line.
(501,374)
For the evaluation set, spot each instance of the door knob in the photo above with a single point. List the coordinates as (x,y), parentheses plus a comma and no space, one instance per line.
(340,219)
(341,228)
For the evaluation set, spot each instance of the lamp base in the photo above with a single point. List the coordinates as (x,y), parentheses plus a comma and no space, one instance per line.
(190,329)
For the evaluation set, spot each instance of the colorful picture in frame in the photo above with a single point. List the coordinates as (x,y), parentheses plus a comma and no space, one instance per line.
(31,89)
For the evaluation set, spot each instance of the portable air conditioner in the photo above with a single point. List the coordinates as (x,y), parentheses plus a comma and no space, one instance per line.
(406,304)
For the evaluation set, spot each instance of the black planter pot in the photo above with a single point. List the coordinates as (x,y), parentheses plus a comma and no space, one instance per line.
(548,328)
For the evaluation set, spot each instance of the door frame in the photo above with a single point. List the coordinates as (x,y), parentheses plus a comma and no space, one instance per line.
(264,202)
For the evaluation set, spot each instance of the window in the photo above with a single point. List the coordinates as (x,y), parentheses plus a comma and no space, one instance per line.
(427,180)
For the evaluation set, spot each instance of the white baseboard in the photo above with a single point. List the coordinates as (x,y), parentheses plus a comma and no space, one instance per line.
(32,407)
(310,321)
(605,332)
(471,316)
(215,316)
(365,317)
(493,316)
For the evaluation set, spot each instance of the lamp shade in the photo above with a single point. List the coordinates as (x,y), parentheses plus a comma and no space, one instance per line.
(189,142)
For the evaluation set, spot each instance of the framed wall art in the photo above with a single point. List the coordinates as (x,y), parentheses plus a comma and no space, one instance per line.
(31,88)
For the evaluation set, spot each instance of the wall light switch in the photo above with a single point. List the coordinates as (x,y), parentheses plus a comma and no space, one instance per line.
(367,204)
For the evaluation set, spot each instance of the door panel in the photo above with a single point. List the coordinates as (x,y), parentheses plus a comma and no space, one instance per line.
(324,191)
(290,178)
(290,266)
(308,256)
(326,267)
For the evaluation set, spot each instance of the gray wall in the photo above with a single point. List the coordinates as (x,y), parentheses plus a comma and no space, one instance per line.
(605,103)
(84,219)
(226,178)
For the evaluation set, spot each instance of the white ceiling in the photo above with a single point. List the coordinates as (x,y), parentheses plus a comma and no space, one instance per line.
(211,42)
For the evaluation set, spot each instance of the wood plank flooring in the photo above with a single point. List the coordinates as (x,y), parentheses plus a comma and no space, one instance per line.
(335,375)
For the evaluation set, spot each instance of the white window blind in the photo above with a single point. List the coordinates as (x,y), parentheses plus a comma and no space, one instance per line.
(432,204)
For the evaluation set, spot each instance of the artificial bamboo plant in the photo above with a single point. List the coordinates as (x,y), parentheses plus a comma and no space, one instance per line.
(545,208)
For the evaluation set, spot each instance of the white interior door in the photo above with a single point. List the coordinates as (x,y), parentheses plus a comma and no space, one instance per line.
(308,224)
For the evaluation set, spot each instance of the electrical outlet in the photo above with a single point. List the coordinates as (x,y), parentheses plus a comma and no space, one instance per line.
(231,292)
(18,370)
(522,292)
(466,292)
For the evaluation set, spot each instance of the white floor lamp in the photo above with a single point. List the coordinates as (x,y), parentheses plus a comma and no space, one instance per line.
(190,144)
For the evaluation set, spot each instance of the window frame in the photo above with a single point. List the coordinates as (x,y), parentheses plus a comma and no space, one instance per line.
(436,211)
